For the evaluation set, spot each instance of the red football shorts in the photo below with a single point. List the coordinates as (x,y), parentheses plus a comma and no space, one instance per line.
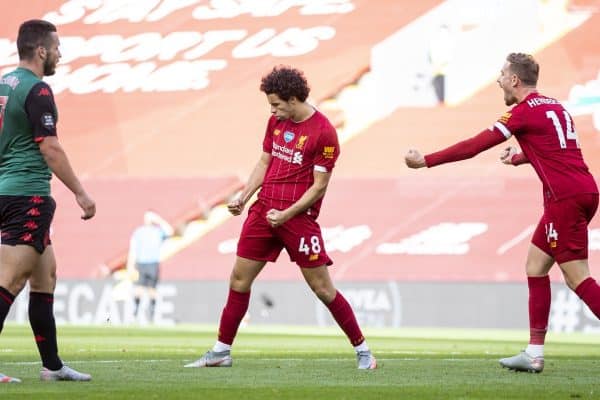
(562,231)
(300,236)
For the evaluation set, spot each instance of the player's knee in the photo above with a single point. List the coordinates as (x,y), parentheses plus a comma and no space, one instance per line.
(240,287)
(573,281)
(324,293)
(574,272)
(239,283)
(44,284)
(15,283)
(537,267)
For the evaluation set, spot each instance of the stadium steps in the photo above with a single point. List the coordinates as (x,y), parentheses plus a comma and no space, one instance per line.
(87,249)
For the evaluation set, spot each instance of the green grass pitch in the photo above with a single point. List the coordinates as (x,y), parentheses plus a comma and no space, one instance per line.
(300,363)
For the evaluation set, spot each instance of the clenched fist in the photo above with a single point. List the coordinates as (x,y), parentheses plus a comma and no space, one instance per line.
(507,154)
(414,159)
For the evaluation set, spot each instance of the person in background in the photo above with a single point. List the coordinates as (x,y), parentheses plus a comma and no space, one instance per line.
(143,259)
(441,49)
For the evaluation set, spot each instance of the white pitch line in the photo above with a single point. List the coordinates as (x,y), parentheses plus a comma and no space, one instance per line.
(182,361)
(516,240)
(91,361)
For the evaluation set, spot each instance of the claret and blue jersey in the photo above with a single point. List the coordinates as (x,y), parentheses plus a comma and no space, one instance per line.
(27,115)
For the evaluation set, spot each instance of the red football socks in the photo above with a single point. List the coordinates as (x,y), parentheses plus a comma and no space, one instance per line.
(589,292)
(233,312)
(344,316)
(540,298)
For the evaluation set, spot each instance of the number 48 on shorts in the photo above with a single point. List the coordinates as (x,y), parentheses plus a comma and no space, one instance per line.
(310,246)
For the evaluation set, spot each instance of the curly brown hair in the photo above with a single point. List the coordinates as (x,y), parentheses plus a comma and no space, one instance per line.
(286,82)
(525,67)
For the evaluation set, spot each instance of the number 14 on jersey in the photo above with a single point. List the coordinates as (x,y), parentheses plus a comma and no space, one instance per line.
(571,135)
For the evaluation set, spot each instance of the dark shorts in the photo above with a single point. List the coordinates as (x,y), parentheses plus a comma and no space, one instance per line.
(26,220)
(148,274)
(562,231)
(300,236)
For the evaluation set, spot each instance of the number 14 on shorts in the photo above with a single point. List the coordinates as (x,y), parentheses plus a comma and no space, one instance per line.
(551,234)
(310,246)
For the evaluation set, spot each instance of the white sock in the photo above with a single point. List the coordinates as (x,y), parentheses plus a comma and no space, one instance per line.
(362,347)
(220,347)
(535,350)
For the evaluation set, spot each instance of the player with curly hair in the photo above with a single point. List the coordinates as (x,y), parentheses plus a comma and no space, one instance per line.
(299,152)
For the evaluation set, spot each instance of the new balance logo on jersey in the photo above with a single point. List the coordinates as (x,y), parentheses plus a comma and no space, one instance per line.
(297,158)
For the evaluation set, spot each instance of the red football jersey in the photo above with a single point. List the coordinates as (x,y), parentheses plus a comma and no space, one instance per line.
(297,149)
(546,134)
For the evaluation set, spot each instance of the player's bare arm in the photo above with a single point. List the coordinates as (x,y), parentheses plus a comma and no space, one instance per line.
(57,160)
(255,181)
(314,193)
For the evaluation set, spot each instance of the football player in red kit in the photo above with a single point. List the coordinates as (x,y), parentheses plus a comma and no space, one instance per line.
(546,135)
(299,151)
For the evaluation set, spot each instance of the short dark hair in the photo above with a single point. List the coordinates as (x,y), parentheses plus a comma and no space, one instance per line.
(525,67)
(285,82)
(32,34)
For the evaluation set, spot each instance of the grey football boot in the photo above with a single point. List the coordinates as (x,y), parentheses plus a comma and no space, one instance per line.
(523,362)
(64,374)
(212,359)
(366,360)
